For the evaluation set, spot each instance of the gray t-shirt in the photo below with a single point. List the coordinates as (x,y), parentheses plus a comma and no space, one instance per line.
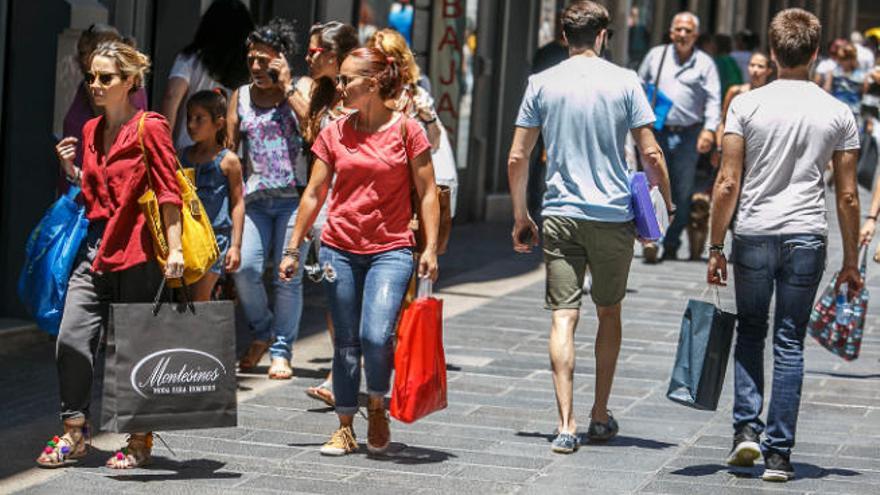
(585,106)
(791,129)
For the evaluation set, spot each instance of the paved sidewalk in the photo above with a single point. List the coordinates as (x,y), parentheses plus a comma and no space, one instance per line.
(495,435)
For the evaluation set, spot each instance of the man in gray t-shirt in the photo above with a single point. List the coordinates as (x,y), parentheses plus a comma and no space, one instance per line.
(778,140)
(584,107)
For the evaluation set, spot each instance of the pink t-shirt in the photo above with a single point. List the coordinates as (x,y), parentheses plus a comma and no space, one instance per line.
(370,205)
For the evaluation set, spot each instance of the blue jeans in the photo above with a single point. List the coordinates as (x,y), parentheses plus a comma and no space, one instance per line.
(268,224)
(365,300)
(793,265)
(680,150)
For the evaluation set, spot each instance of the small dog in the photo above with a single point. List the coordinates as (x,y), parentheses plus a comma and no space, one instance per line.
(698,226)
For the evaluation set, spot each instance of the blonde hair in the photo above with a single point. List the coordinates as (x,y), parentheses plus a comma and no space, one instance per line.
(393,44)
(130,62)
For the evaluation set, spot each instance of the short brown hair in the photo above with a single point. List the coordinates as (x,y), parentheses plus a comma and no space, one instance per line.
(794,37)
(582,21)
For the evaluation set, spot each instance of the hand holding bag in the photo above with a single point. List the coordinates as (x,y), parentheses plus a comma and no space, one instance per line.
(703,351)
(200,250)
(843,340)
(171,367)
(49,257)
(419,361)
(647,225)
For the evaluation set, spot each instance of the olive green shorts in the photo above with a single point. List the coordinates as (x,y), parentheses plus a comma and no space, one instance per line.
(571,246)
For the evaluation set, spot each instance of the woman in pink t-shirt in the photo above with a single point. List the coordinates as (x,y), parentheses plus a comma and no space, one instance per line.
(375,155)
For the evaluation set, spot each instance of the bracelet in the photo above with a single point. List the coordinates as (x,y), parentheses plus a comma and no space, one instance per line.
(429,121)
(291,253)
(77,176)
(717,247)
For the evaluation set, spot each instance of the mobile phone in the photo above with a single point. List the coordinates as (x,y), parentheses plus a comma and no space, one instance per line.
(273,75)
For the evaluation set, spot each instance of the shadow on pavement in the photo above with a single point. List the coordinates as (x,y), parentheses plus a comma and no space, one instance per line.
(802,471)
(400,453)
(844,375)
(194,469)
(618,441)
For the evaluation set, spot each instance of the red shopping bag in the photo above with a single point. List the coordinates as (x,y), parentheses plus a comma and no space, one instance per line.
(419,361)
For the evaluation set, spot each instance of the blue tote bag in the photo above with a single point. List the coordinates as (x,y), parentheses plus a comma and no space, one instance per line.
(703,351)
(49,256)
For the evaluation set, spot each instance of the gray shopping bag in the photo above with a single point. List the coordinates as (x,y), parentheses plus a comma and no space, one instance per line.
(701,359)
(170,367)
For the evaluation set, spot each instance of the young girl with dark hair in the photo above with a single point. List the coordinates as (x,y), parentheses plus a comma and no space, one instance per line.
(262,116)
(218,178)
(375,155)
(214,59)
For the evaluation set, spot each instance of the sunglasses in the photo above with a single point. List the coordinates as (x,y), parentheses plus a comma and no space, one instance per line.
(104,79)
(344,81)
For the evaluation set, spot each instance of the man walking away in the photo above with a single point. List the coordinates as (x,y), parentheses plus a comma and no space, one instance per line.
(584,107)
(689,78)
(777,141)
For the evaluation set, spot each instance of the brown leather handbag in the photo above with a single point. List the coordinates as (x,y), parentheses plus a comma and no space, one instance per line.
(444,196)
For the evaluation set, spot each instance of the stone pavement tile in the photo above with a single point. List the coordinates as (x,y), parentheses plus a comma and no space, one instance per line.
(672,487)
(411,482)
(400,458)
(828,448)
(211,445)
(580,480)
(708,473)
(868,452)
(283,484)
(235,433)
(858,463)
(496,474)
(69,483)
(813,480)
(628,460)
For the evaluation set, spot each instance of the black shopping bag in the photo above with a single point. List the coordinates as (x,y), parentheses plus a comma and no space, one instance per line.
(869,156)
(701,360)
(170,367)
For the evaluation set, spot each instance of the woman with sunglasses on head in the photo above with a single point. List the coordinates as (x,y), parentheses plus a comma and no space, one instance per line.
(263,117)
(116,262)
(83,108)
(374,155)
(329,44)
(414,99)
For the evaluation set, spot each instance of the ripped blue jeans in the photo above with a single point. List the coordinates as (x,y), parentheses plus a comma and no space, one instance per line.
(793,266)
(365,292)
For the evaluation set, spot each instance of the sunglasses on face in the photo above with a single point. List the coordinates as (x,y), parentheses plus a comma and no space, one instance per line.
(344,81)
(263,61)
(104,78)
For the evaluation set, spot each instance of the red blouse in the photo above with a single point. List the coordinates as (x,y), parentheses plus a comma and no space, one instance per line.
(112,184)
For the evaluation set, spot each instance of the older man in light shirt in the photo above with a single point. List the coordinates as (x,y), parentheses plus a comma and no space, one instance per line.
(689,78)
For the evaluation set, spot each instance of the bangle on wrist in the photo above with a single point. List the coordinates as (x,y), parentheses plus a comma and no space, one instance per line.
(430,120)
(292,253)
(717,248)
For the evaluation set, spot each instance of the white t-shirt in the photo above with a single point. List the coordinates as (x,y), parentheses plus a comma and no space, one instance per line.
(791,129)
(190,69)
(865,57)
(826,66)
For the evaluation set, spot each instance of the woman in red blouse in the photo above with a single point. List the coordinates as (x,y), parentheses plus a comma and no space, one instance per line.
(375,155)
(116,262)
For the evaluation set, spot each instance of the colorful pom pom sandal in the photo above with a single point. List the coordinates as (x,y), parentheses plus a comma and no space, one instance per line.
(69,448)
(137,453)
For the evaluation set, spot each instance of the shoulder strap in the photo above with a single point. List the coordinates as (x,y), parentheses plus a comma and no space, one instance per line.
(141,123)
(657,79)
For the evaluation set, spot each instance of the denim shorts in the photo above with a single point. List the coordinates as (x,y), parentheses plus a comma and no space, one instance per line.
(224,239)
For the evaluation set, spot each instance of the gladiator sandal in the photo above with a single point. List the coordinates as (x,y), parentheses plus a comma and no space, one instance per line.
(137,453)
(69,448)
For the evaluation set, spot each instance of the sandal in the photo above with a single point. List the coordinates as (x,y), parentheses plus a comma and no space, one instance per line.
(323,393)
(280,369)
(254,354)
(69,448)
(138,452)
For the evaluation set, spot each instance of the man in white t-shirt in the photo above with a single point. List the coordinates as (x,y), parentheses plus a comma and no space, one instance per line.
(778,140)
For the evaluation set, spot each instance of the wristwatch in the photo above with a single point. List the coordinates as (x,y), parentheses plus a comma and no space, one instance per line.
(290,91)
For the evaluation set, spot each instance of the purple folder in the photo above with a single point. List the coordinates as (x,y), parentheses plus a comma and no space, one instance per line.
(643,210)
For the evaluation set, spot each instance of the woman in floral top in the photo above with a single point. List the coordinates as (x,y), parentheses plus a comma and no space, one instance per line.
(263,117)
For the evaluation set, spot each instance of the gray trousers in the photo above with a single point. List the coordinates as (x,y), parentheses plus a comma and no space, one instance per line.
(86,309)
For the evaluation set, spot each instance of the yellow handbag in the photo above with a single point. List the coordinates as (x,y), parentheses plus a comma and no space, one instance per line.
(200,250)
